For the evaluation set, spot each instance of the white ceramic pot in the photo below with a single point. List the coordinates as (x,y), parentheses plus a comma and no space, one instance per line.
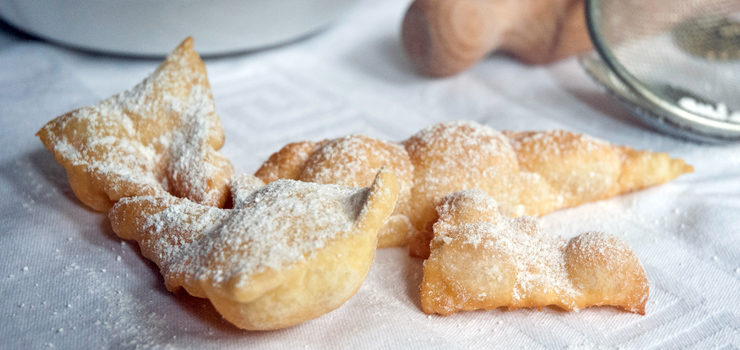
(153,27)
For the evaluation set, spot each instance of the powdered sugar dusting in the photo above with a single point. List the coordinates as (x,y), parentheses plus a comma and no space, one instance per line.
(556,141)
(530,173)
(277,225)
(459,155)
(154,138)
(351,156)
(242,186)
(483,259)
(570,169)
(538,258)
(353,161)
(473,143)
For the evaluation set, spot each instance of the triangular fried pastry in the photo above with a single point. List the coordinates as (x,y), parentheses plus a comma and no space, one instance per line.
(350,161)
(286,253)
(482,259)
(530,173)
(161,136)
(561,169)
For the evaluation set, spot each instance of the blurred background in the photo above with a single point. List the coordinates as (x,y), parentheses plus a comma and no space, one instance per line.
(675,66)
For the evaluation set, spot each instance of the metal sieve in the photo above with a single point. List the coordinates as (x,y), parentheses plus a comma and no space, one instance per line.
(675,64)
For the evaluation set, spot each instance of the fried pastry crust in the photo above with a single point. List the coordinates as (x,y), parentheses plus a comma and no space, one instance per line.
(288,252)
(161,136)
(350,161)
(453,156)
(482,259)
(530,173)
(563,169)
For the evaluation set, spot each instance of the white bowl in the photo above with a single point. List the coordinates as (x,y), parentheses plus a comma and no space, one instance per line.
(153,27)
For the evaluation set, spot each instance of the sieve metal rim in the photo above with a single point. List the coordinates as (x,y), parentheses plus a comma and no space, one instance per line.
(678,117)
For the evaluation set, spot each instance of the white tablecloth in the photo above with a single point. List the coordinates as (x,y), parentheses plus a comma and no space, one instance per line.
(67,281)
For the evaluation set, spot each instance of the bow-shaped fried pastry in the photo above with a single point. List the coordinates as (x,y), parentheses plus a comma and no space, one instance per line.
(288,252)
(350,161)
(161,136)
(481,259)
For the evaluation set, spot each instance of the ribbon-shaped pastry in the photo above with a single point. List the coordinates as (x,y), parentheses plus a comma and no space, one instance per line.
(482,259)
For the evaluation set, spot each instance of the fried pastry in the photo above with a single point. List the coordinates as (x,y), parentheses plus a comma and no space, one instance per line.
(350,161)
(531,173)
(161,136)
(482,259)
(561,169)
(286,253)
(453,156)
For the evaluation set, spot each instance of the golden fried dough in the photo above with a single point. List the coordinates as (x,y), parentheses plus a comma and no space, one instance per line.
(531,173)
(350,161)
(482,259)
(453,156)
(288,252)
(161,136)
(288,163)
(563,169)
